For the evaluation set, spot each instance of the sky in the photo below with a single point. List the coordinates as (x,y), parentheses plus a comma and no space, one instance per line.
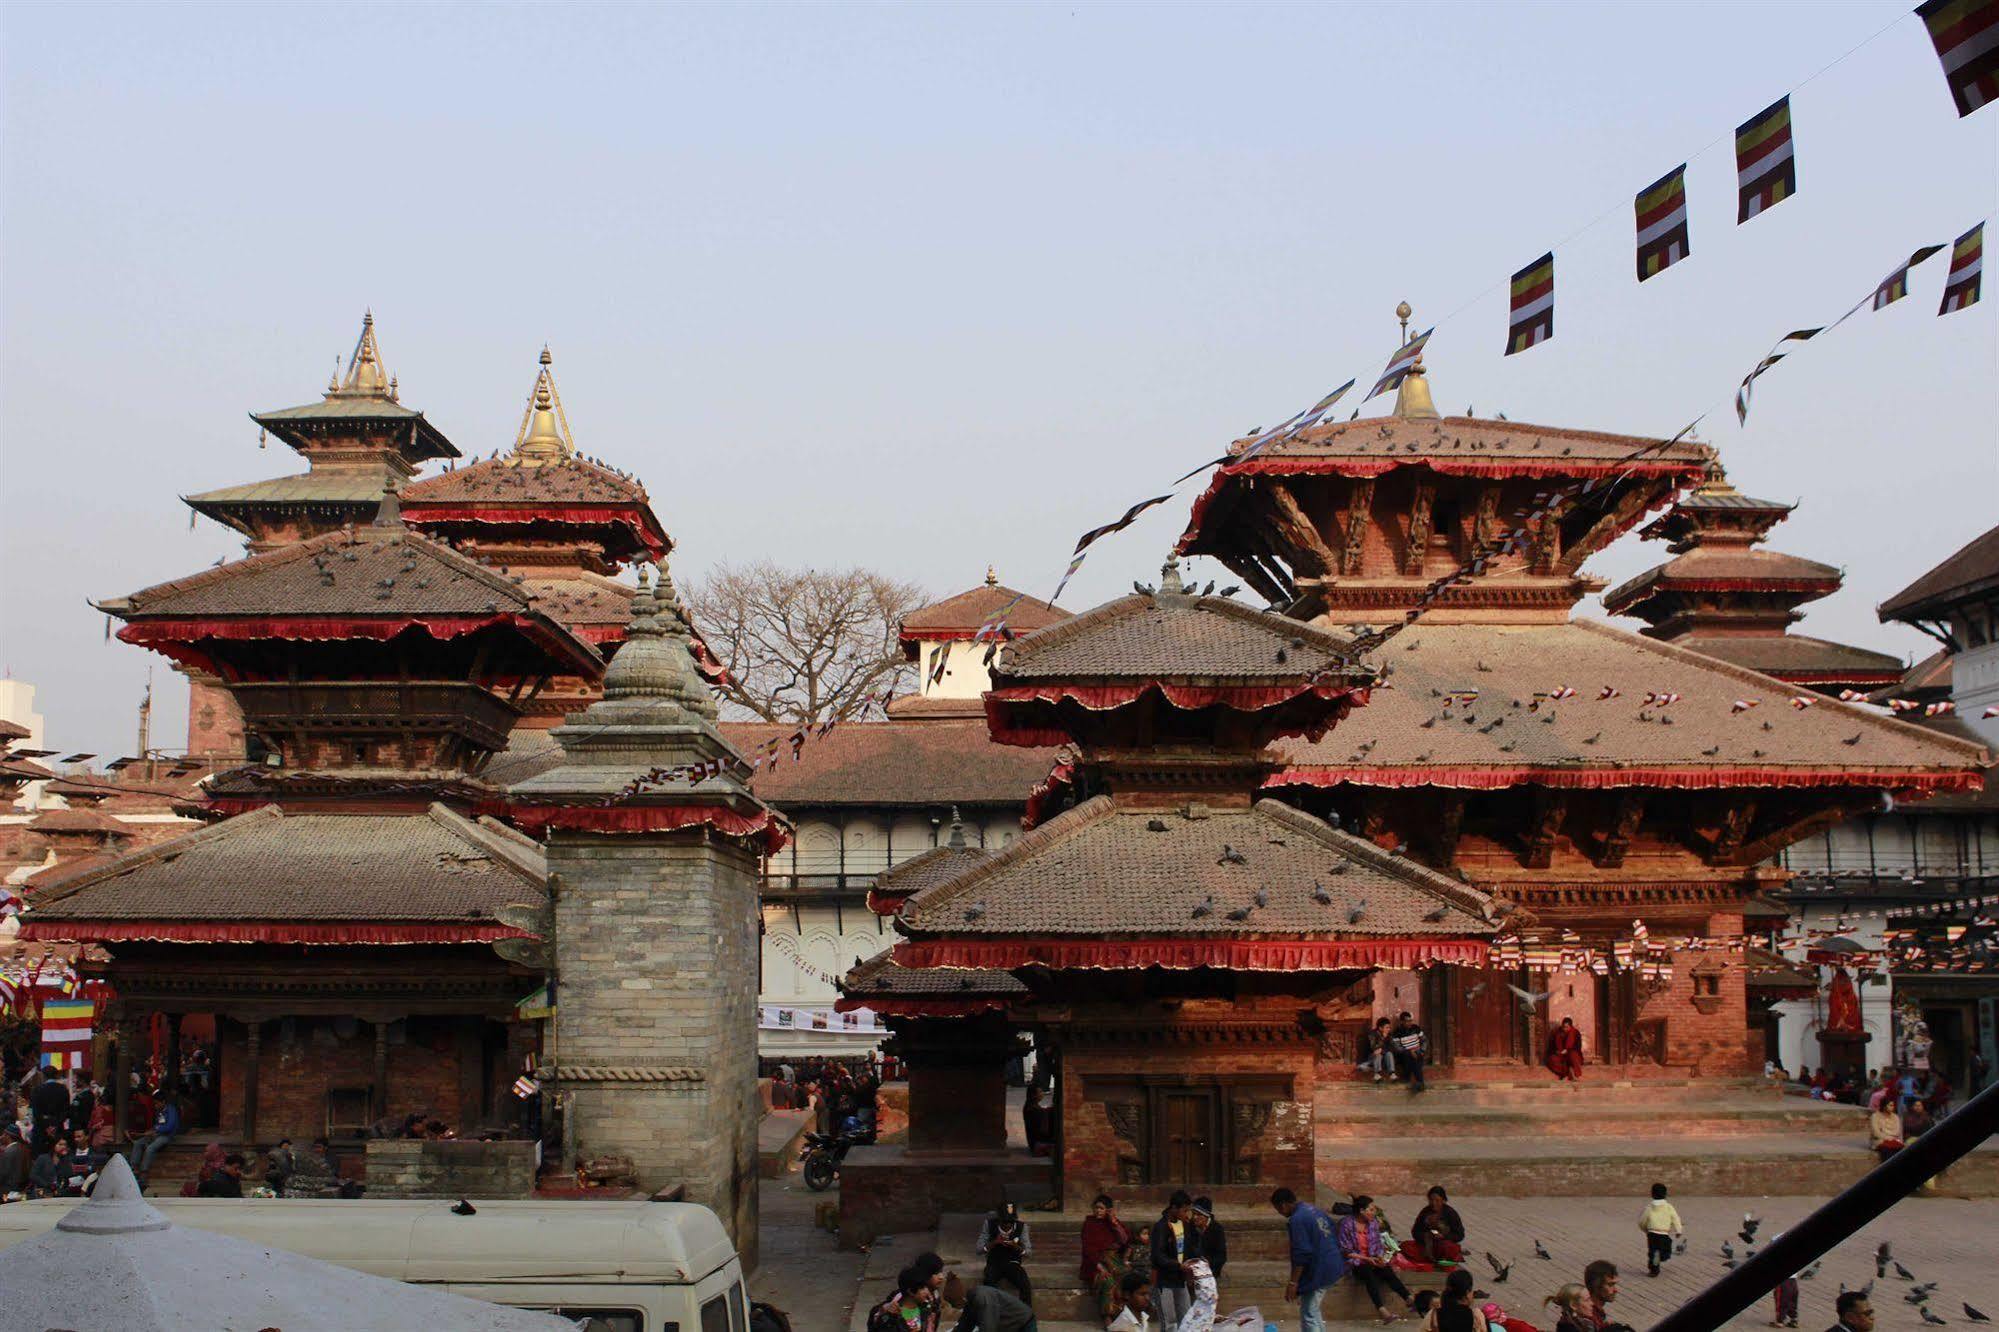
(927,288)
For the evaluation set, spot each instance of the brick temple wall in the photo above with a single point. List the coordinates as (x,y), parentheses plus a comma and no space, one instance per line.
(437,1069)
(657,942)
(414,1168)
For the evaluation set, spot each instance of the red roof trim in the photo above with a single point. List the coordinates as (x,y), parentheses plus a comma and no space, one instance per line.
(1043,795)
(264,932)
(1482,778)
(1104,697)
(164,634)
(949,1008)
(1181,954)
(616,513)
(536,820)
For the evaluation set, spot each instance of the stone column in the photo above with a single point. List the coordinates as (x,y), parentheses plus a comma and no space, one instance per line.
(654,849)
(253,1039)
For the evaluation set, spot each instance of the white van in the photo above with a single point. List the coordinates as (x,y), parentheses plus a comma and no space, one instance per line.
(623,1266)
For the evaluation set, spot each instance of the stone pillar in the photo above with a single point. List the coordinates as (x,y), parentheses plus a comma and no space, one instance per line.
(378,1078)
(957,1083)
(253,1039)
(121,1072)
(654,847)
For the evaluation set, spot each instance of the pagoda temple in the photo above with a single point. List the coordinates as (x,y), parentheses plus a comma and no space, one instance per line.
(565,524)
(1181,946)
(1597,780)
(1727,597)
(350,924)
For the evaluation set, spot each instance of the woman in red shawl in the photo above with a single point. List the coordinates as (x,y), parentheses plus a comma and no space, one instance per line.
(1565,1051)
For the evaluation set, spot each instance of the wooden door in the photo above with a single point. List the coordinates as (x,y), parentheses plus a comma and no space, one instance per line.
(1187,1135)
(1484,1013)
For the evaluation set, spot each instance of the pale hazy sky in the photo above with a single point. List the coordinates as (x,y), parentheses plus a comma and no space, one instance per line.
(930,287)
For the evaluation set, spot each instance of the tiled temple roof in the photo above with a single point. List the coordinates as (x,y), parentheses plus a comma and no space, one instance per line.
(964,613)
(1169,637)
(268,876)
(1405,736)
(922,763)
(1724,569)
(1973,567)
(1106,868)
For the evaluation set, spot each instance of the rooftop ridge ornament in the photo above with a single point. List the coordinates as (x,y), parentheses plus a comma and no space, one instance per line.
(1412,395)
(543,436)
(1169,578)
(366,376)
(389,513)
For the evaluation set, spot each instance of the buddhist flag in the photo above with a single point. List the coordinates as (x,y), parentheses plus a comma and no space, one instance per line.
(1400,364)
(66,1033)
(1317,411)
(1531,319)
(1967,261)
(1662,223)
(1766,174)
(1896,285)
(1966,35)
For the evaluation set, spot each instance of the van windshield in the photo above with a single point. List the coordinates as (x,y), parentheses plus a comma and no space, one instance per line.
(612,1320)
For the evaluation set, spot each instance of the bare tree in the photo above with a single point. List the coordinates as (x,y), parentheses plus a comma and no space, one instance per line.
(804,644)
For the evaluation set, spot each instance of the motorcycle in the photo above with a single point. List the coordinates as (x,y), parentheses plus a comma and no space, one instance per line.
(825,1151)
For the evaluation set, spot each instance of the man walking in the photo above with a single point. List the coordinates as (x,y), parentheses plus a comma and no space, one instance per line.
(1170,1251)
(1315,1257)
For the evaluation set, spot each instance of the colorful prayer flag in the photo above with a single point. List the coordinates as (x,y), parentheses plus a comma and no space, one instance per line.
(1662,223)
(1318,410)
(1766,173)
(66,1032)
(1400,364)
(1967,263)
(1896,285)
(1531,319)
(1966,36)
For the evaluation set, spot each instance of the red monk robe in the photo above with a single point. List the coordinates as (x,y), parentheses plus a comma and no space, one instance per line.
(1565,1051)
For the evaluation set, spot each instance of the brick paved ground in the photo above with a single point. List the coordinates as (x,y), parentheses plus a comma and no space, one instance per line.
(1946,1240)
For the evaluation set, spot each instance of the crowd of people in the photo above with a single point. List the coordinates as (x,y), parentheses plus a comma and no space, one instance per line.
(1905,1085)
(843,1098)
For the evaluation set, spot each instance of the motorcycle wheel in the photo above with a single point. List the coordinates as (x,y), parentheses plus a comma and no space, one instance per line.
(819,1174)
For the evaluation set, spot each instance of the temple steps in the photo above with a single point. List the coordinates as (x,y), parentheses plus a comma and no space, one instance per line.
(1536,1089)
(1449,1117)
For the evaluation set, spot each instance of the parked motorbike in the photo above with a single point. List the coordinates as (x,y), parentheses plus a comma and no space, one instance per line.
(825,1151)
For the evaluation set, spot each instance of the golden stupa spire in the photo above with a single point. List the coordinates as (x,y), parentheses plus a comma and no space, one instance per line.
(1412,395)
(544,434)
(366,376)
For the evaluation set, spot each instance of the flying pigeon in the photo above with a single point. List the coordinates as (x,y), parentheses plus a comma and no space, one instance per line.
(1231,856)
(1974,1315)
(1535,1000)
(1476,990)
(1499,1271)
(1929,1317)
(1542,1253)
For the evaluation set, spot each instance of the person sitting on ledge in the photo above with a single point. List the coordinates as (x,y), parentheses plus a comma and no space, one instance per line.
(1359,1236)
(1004,1242)
(1884,1130)
(1438,1231)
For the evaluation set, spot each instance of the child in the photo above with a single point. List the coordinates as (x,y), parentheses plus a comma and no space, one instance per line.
(1660,1222)
(1135,1297)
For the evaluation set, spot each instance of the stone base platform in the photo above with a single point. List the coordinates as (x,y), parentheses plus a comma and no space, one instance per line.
(1598,1138)
(889,1189)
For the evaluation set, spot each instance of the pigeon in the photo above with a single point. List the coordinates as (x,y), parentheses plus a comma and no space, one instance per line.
(1929,1317)
(1535,1000)
(1903,1272)
(1729,1263)
(1356,911)
(1881,1256)
(1476,990)
(1155,825)
(1240,914)
(1320,895)
(1921,1293)
(1542,1253)
(1727,1249)
(1205,907)
(1680,1247)
(975,910)
(1229,591)
(1749,1223)
(1434,916)
(1499,1273)
(1810,1272)
(1231,856)
(1262,897)
(1974,1315)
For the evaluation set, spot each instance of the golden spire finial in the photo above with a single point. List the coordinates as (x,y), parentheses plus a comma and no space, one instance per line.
(366,376)
(1402,312)
(1412,395)
(992,577)
(544,434)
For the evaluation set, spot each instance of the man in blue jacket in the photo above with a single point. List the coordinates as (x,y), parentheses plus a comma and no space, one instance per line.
(1316,1262)
(166,1127)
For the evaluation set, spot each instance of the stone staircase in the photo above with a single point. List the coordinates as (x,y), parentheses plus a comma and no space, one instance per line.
(1542,1138)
